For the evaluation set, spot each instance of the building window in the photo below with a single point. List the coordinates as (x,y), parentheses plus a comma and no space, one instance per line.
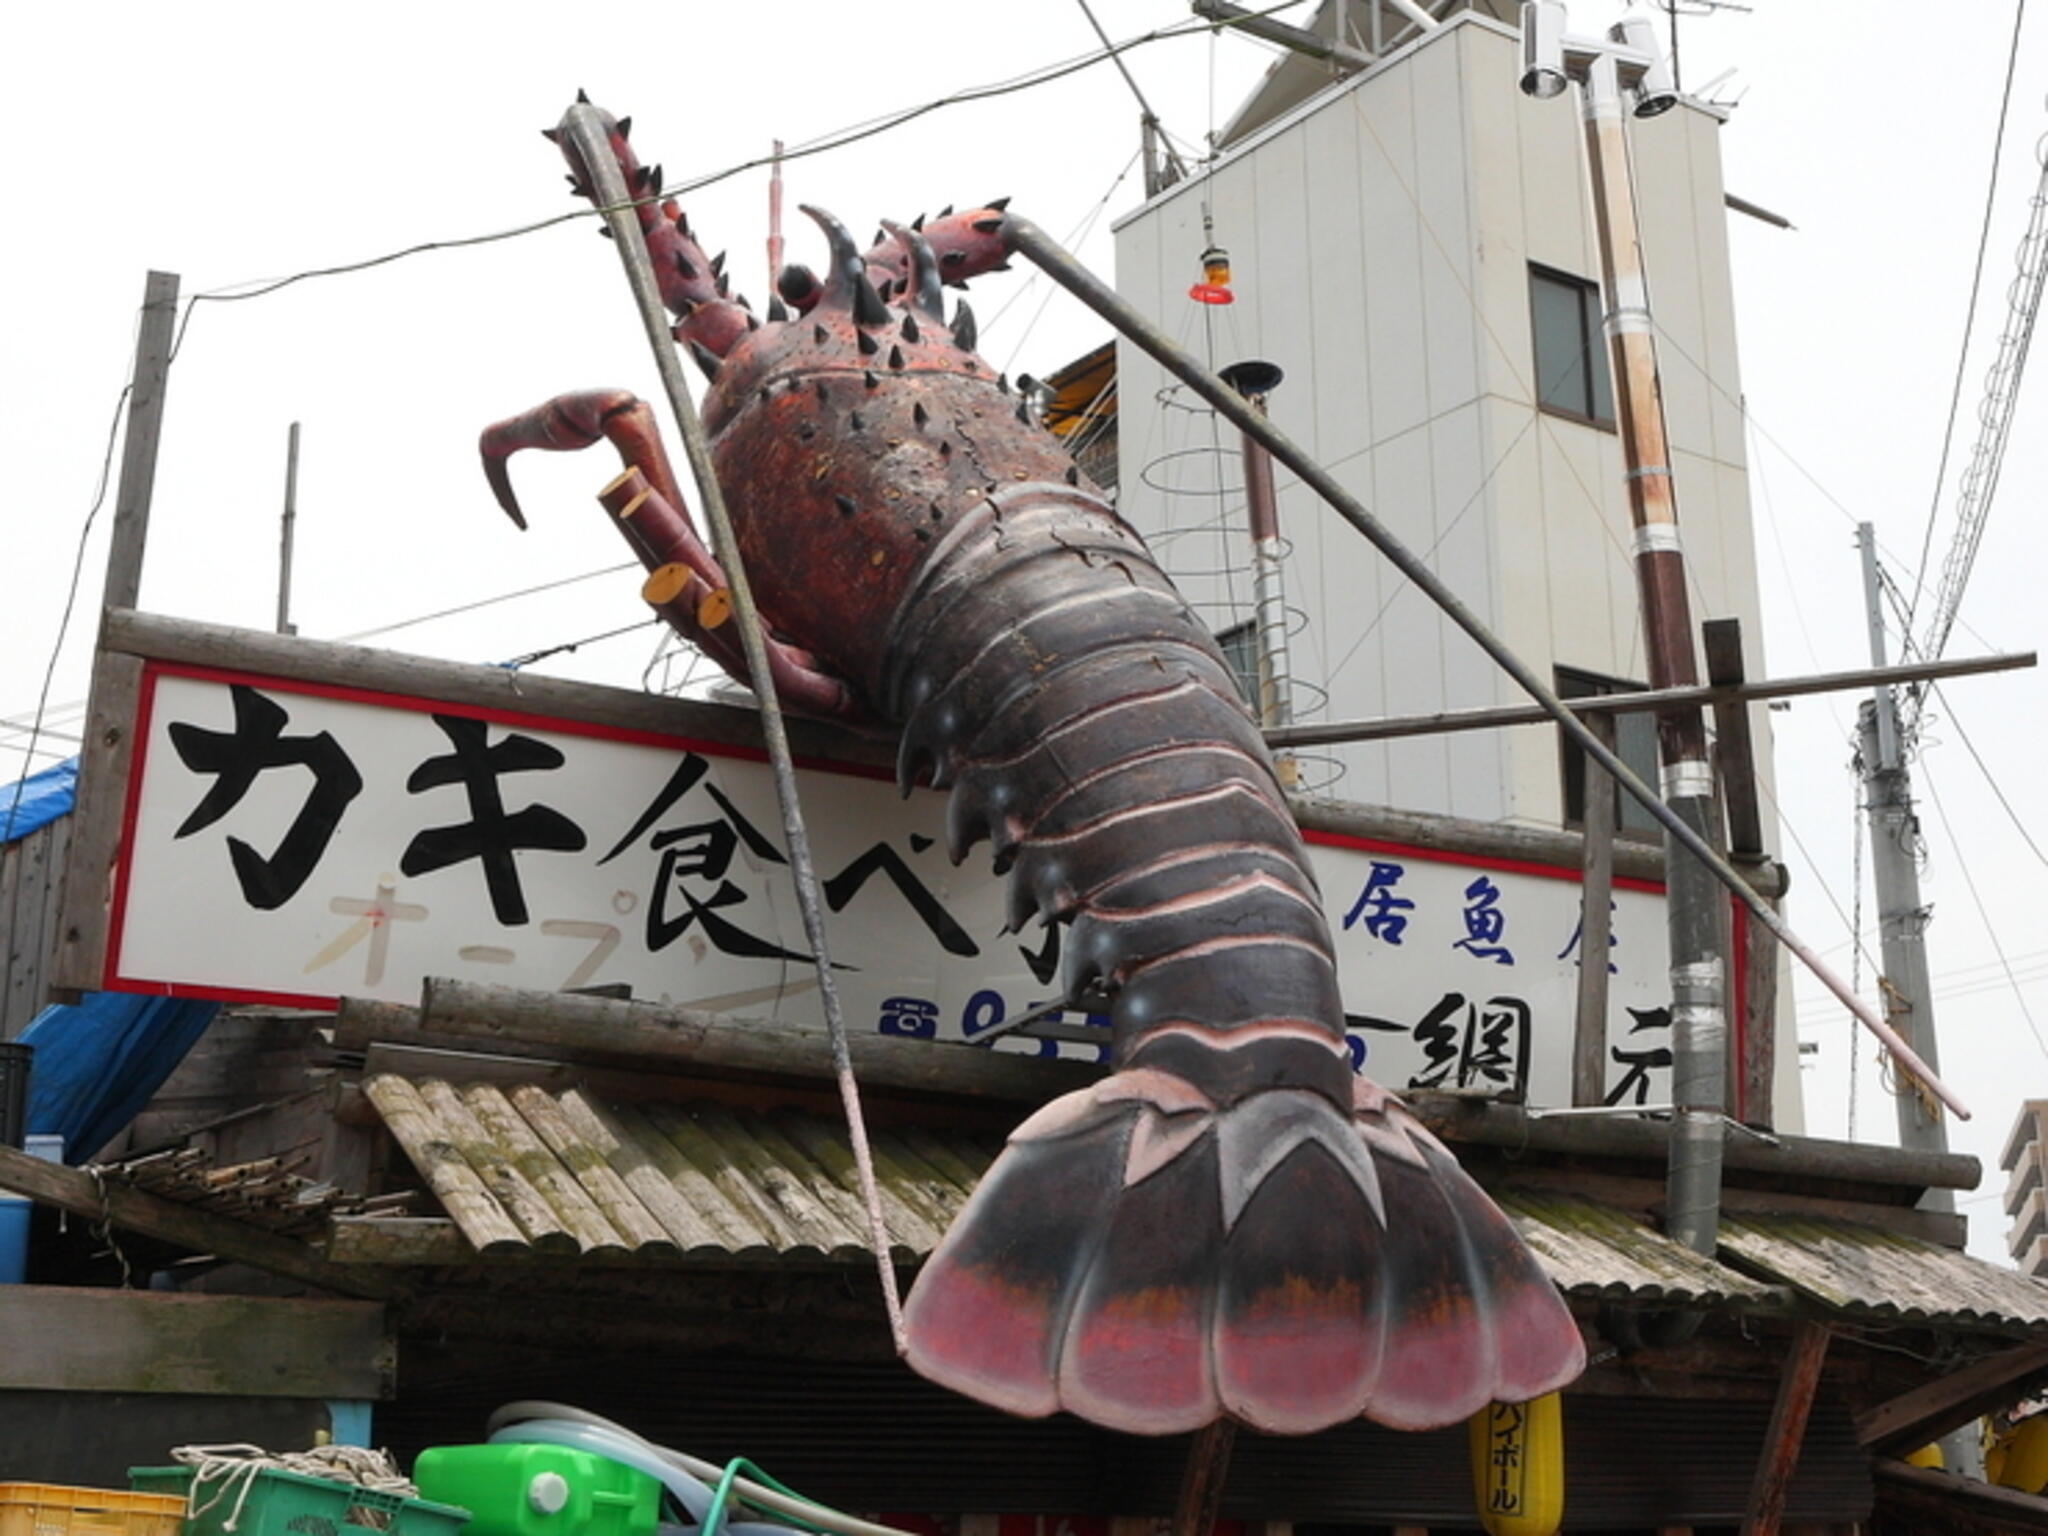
(1571,356)
(1240,647)
(1635,742)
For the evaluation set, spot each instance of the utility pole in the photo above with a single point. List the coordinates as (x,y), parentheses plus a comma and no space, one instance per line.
(1617,74)
(289,524)
(1895,872)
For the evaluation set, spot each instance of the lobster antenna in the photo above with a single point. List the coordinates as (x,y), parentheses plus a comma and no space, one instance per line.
(586,129)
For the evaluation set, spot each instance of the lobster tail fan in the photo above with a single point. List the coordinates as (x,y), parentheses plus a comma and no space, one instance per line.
(1151,1263)
(928,296)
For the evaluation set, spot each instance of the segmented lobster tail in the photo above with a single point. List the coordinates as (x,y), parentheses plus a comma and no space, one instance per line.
(1231,1222)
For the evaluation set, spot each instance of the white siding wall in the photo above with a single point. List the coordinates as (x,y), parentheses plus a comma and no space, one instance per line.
(1381,238)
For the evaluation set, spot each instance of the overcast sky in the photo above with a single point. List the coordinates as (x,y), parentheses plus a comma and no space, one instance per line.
(230,143)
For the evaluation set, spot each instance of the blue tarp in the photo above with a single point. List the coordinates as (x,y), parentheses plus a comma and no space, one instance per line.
(99,1061)
(38,800)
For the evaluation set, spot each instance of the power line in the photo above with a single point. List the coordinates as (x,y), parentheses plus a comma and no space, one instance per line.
(1955,398)
(1998,793)
(486,602)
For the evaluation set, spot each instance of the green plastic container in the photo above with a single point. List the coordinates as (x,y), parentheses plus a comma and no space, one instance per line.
(281,1503)
(539,1490)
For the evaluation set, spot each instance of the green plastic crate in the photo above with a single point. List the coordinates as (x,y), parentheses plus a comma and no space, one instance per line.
(281,1503)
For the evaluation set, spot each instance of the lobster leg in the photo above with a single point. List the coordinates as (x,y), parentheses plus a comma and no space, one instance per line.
(687,586)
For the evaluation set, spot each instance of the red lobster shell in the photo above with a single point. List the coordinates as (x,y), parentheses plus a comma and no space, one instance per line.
(1231,1223)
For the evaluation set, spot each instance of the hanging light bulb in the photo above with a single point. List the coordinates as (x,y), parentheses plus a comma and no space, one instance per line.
(1214,288)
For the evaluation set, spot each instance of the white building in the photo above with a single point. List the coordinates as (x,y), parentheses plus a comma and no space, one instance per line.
(1414,245)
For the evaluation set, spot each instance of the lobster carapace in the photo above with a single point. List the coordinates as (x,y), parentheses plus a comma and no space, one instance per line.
(1231,1223)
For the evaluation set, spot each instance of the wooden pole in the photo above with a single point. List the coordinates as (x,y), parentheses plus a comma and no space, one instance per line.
(1596,896)
(1754,953)
(1780,1457)
(1201,1481)
(81,956)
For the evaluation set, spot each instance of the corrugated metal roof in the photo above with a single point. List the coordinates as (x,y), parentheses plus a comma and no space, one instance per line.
(522,1167)
(1880,1274)
(1594,1250)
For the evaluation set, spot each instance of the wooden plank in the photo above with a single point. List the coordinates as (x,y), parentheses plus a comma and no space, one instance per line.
(1596,920)
(294,658)
(606,1031)
(1940,1498)
(74,1339)
(1733,747)
(104,762)
(1202,1479)
(1928,1412)
(1787,1431)
(399,1240)
(1507,1125)
(80,1193)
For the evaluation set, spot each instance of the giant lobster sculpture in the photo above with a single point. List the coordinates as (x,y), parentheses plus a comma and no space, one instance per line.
(1231,1223)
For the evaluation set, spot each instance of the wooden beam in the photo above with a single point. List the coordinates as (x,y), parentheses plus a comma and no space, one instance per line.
(399,1240)
(607,1032)
(1506,1125)
(1943,1497)
(1928,1412)
(132,1209)
(298,659)
(74,1339)
(1633,859)
(1202,1479)
(1596,895)
(1644,701)
(1755,949)
(1787,1431)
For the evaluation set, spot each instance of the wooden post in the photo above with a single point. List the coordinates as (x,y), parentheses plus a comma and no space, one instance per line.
(116,680)
(1780,1457)
(1201,1482)
(1596,896)
(1754,1037)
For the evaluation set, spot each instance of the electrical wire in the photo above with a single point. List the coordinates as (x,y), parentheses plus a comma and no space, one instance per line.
(1990,780)
(486,602)
(1983,915)
(1955,398)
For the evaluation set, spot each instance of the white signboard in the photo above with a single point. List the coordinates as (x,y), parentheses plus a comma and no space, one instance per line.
(287,842)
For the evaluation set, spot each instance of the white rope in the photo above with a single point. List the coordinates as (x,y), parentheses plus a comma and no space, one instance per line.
(232,1470)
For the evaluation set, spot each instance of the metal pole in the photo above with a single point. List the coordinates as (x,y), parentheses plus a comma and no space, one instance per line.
(291,517)
(1028,240)
(1699,1021)
(1255,381)
(585,129)
(775,218)
(1895,875)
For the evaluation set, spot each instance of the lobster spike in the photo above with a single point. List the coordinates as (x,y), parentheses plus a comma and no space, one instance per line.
(753,321)
(924,270)
(1073,475)
(705,359)
(869,345)
(626,127)
(946,212)
(685,266)
(853,421)
(895,357)
(916,223)
(552,135)
(847,265)
(845,504)
(1023,413)
(582,97)
(868,307)
(819,334)
(965,332)
(919,414)
(987,226)
(868,378)
(997,203)
(1002,383)
(642,175)
(777,310)
(718,263)
(722,285)
(911,331)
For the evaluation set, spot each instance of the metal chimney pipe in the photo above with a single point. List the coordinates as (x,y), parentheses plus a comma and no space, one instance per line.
(1255,379)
